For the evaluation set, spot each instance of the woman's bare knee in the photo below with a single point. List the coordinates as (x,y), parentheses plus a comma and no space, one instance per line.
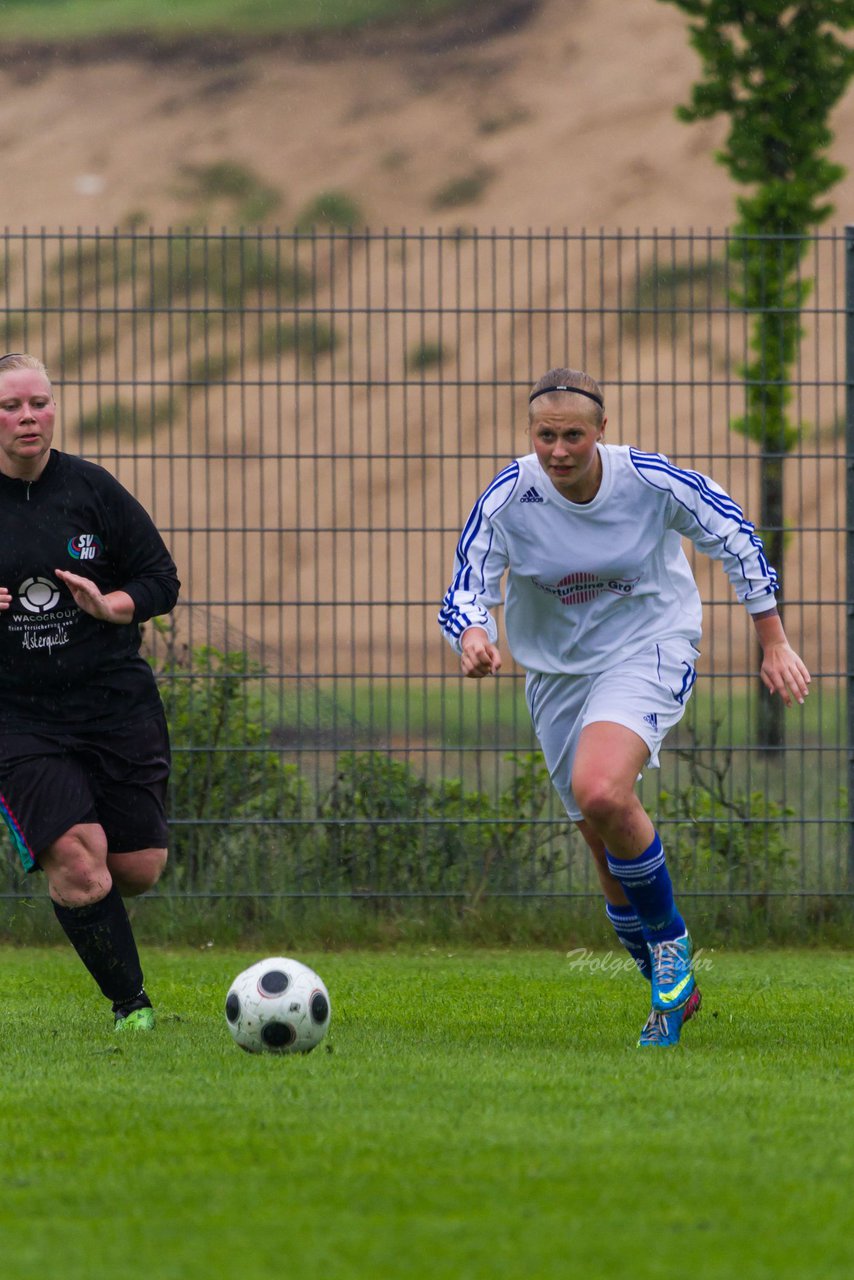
(599,798)
(137,872)
(76,865)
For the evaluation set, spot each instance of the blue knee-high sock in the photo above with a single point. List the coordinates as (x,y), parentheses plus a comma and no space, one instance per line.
(646,883)
(629,930)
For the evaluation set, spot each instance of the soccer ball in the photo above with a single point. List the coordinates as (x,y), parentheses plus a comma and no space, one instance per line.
(278,1006)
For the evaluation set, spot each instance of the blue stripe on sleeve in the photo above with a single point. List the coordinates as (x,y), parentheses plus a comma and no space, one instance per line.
(452,618)
(719,502)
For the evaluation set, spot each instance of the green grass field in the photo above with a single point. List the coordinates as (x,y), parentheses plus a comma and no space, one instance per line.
(61,19)
(470,1115)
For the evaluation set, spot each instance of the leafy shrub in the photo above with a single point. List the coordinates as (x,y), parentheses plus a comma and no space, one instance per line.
(73,353)
(664,293)
(13,326)
(91,263)
(122,419)
(245,821)
(221,179)
(254,200)
(425,356)
(389,830)
(331,210)
(212,366)
(307,339)
(463,190)
(229,271)
(722,836)
(501,120)
(232,798)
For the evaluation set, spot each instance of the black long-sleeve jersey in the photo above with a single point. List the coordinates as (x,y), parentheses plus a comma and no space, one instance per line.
(60,668)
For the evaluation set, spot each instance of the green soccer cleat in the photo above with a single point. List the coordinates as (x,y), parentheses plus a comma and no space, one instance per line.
(136,1020)
(673,981)
(134,1015)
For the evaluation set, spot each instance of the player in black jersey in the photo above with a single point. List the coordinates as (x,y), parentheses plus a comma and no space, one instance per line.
(84,748)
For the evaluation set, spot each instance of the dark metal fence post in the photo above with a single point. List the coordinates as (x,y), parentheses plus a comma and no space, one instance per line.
(849,535)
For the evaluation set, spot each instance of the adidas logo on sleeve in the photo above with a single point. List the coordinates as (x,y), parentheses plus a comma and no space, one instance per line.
(531,495)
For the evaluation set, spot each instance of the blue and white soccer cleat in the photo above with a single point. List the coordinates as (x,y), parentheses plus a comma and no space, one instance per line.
(661,1029)
(664,1029)
(673,981)
(693,1005)
(644,965)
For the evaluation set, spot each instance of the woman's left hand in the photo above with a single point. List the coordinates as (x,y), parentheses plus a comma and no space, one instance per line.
(115,607)
(783,672)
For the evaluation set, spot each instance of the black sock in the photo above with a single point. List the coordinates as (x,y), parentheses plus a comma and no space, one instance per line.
(130,1006)
(102,936)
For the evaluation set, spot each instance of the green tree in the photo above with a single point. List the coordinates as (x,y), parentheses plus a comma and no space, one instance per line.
(776,69)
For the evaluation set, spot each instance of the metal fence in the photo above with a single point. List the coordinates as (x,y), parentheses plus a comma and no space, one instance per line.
(309,419)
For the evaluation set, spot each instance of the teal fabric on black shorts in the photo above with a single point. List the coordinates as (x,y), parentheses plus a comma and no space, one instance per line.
(116,777)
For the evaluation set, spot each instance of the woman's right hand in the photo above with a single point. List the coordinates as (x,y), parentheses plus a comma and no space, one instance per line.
(5,597)
(479,658)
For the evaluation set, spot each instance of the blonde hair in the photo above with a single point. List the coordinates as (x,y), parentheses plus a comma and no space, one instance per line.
(569,379)
(21,360)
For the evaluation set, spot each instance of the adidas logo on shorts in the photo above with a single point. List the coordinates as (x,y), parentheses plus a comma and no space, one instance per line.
(651,719)
(531,495)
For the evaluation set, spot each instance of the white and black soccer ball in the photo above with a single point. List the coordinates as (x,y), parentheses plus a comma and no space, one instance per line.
(278,1006)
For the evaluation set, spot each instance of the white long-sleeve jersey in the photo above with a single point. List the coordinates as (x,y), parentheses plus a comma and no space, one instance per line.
(591,584)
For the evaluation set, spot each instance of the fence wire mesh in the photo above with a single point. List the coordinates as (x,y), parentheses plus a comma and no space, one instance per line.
(309,419)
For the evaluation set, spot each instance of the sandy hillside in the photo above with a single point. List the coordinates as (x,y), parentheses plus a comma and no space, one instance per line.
(569,109)
(561,115)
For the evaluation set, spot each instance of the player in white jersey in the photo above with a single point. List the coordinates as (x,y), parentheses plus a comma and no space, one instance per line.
(602,611)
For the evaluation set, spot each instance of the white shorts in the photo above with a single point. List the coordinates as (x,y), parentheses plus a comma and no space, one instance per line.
(646,693)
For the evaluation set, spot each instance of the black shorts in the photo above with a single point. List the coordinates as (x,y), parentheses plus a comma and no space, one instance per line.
(116,777)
